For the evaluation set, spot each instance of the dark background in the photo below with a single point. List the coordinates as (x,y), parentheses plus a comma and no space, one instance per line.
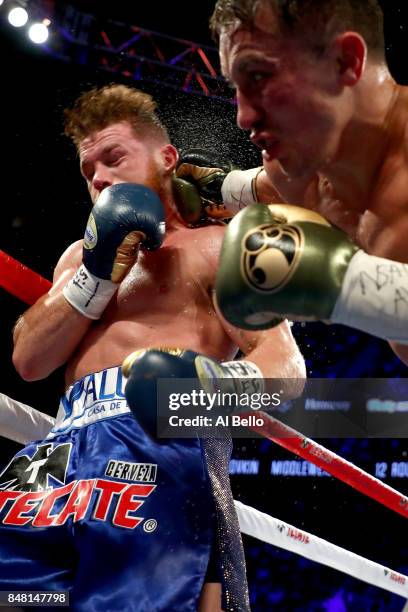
(45,207)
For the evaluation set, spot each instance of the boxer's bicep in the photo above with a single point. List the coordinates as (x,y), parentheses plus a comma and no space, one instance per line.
(66,266)
(49,331)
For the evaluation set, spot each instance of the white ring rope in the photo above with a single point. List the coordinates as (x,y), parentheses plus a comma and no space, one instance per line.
(273,531)
(23,424)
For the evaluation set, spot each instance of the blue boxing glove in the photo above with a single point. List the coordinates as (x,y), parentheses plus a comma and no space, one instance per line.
(124,217)
(144,367)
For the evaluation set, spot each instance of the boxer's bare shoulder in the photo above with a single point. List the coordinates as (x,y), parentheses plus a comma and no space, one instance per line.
(385,222)
(379,225)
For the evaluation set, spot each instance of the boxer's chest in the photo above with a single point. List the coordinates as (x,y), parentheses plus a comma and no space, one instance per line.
(171,278)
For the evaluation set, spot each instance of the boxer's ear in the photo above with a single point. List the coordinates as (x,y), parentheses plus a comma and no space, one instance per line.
(170,157)
(349,51)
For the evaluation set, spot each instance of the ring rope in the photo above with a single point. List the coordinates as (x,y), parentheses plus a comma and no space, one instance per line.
(273,531)
(22,423)
(20,281)
(335,465)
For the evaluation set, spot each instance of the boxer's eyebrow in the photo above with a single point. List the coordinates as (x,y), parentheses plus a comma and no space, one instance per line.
(86,164)
(248,63)
(107,149)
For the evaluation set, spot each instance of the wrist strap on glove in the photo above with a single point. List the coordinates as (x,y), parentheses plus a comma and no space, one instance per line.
(239,189)
(247,376)
(89,294)
(239,376)
(373,297)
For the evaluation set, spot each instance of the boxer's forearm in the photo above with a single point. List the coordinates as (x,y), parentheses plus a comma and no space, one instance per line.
(278,357)
(274,351)
(266,191)
(272,185)
(46,336)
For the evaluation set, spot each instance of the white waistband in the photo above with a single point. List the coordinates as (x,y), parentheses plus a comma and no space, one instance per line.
(93,398)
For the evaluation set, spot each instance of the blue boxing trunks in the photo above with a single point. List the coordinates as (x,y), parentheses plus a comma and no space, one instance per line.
(121,521)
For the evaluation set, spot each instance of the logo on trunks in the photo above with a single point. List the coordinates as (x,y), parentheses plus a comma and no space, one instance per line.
(137,472)
(112,502)
(270,256)
(45,469)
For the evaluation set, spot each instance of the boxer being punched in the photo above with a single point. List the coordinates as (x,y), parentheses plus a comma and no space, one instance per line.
(314,90)
(140,279)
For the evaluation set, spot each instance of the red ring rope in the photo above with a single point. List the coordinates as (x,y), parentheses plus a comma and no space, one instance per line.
(325,459)
(27,285)
(20,281)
